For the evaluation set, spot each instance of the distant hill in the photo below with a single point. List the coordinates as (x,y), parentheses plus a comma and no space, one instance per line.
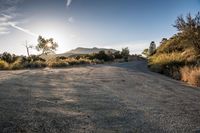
(83,51)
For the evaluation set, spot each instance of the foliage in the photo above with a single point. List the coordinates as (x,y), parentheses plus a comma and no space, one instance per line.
(125,53)
(145,52)
(3,65)
(57,63)
(18,64)
(46,45)
(8,57)
(178,56)
(174,44)
(14,62)
(190,75)
(190,29)
(117,55)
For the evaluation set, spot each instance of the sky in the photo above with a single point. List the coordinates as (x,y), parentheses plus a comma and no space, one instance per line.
(90,23)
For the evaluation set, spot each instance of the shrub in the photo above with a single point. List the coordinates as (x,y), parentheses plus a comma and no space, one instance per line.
(4,65)
(125,53)
(36,64)
(117,55)
(57,63)
(84,61)
(8,57)
(34,58)
(190,75)
(18,64)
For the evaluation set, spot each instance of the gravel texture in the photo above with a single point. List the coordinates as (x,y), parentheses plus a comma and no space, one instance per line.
(124,98)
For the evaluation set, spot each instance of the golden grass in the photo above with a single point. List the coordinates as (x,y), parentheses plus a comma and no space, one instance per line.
(191,75)
(164,58)
(4,65)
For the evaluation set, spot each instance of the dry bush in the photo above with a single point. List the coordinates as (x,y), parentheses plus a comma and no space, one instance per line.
(57,63)
(185,73)
(191,75)
(4,65)
(195,78)
(16,65)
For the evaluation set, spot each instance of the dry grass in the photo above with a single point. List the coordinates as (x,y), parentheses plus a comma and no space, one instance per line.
(4,65)
(191,75)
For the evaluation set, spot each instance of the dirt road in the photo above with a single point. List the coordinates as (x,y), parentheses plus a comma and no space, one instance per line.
(103,98)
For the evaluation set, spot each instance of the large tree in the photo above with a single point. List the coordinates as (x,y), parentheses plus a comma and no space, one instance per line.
(46,46)
(189,28)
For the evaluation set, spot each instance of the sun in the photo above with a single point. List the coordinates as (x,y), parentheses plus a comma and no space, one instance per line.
(58,30)
(49,44)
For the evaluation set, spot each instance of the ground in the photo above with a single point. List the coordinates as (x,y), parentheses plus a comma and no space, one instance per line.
(120,98)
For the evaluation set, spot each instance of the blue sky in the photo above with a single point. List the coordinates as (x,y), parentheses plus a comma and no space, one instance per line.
(89,23)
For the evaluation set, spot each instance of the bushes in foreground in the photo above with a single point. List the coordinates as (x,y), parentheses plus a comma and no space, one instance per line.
(13,62)
(190,75)
(4,65)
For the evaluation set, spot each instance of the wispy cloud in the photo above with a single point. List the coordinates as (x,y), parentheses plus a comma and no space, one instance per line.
(22,29)
(4,26)
(9,6)
(7,13)
(68,3)
(6,22)
(8,17)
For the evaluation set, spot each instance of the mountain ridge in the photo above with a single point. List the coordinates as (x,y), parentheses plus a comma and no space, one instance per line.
(82,51)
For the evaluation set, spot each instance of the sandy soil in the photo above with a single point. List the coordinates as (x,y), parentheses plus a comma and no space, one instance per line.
(103,98)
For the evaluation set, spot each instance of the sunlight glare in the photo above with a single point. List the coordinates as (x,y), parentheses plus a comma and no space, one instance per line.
(49,44)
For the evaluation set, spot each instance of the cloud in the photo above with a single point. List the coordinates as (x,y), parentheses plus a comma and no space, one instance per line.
(9,6)
(6,22)
(22,29)
(7,14)
(68,3)
(4,26)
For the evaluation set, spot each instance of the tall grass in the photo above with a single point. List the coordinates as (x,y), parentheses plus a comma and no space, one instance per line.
(191,75)
(4,65)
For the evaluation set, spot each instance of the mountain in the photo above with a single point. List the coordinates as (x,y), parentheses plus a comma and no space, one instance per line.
(83,51)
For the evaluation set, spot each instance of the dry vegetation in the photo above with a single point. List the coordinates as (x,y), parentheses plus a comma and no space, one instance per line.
(179,55)
(13,62)
(190,75)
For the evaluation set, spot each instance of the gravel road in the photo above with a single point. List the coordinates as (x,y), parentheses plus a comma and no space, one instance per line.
(124,98)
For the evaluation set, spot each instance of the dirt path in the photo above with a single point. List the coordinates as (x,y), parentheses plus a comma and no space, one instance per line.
(104,98)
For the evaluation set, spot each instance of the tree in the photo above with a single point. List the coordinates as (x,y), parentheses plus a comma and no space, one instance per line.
(8,57)
(101,56)
(152,48)
(145,52)
(190,29)
(27,48)
(46,45)
(117,55)
(125,53)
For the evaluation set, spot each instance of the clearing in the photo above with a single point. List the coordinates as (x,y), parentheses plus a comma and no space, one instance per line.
(122,97)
